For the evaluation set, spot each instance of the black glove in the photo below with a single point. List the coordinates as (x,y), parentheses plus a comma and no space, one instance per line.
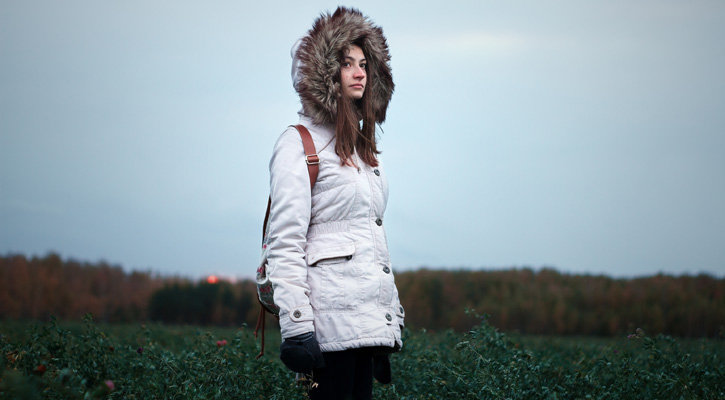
(301,353)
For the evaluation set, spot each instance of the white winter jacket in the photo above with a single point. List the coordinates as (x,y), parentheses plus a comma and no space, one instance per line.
(326,252)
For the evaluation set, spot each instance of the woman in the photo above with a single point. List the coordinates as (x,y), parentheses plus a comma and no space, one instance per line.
(326,250)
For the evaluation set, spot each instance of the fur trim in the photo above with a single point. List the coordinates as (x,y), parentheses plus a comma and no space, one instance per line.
(318,65)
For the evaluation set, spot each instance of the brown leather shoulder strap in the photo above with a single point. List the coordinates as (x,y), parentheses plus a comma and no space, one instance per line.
(266,219)
(313,167)
(311,157)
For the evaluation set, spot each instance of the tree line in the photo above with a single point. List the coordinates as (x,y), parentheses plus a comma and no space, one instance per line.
(522,300)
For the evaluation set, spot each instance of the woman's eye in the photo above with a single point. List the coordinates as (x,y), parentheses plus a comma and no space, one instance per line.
(346,64)
(363,66)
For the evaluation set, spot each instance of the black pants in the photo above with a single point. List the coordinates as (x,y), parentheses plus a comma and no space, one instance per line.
(347,375)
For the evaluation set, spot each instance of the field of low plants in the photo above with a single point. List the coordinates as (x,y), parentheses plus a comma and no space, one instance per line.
(72,360)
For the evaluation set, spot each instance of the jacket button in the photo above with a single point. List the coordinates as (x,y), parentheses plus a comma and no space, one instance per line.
(386,270)
(297,314)
(401,310)
(388,317)
(376,171)
(379,221)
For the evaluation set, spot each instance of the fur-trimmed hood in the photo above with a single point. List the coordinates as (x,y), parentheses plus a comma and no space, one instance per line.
(315,65)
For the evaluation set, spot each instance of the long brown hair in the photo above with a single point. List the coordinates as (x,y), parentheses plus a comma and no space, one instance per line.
(349,135)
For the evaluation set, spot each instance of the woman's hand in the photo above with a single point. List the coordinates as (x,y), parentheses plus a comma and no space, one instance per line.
(301,353)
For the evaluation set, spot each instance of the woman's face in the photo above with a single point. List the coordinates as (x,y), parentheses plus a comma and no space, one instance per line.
(353,73)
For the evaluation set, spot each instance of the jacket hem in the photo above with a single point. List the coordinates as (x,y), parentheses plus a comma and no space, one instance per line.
(358,343)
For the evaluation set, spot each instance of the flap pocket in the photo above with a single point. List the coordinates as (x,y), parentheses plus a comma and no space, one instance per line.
(330,255)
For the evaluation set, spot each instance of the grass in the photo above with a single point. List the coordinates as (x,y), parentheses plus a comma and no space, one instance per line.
(72,360)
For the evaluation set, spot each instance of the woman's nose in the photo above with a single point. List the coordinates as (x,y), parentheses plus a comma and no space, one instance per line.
(359,73)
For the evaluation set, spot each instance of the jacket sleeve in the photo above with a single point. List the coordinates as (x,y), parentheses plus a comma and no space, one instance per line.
(289,219)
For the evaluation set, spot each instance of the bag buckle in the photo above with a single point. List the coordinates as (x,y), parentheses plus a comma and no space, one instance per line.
(312,159)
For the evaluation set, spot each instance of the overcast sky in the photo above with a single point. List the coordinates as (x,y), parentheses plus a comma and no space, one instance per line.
(588,136)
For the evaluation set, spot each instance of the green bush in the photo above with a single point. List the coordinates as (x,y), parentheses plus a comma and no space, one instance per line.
(487,364)
(90,361)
